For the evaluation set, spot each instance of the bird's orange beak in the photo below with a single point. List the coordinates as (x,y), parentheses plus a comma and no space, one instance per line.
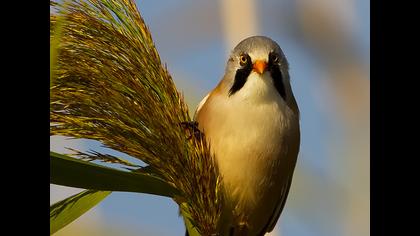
(259,66)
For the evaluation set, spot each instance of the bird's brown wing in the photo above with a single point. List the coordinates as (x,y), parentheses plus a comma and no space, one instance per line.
(280,205)
(200,105)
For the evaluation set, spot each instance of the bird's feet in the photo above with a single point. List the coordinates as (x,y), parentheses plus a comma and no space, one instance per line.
(192,128)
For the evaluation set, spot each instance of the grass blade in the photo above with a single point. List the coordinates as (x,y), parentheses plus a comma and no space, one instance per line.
(71,172)
(66,211)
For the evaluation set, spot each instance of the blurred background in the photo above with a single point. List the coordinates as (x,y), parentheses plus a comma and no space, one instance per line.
(327,45)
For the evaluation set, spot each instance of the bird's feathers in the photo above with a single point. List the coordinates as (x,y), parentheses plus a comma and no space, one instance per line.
(245,133)
(279,207)
(254,135)
(199,106)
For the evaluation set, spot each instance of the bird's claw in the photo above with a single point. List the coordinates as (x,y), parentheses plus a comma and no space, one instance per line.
(192,127)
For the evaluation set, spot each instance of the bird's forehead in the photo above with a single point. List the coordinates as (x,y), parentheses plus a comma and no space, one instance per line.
(258,47)
(259,54)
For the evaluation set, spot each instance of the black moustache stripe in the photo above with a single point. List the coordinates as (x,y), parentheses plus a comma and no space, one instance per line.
(242,74)
(278,80)
(240,77)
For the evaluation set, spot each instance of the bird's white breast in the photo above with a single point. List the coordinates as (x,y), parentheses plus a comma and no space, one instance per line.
(246,132)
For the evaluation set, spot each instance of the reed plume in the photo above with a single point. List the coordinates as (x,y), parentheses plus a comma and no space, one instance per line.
(108,84)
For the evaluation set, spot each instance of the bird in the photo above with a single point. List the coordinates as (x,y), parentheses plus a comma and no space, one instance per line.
(251,122)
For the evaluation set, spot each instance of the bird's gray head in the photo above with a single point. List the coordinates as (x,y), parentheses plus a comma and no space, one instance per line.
(257,57)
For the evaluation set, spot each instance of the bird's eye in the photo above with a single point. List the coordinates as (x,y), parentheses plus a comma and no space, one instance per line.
(243,60)
(275,58)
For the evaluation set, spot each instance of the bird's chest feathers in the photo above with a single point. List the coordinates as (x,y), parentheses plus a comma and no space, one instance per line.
(248,135)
